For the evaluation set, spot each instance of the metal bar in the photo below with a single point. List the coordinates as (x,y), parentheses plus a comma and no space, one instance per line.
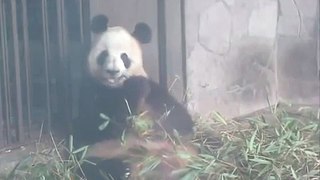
(19,124)
(2,132)
(81,21)
(183,50)
(4,44)
(61,80)
(318,41)
(162,44)
(85,24)
(85,27)
(20,128)
(27,62)
(63,64)
(2,118)
(67,70)
(46,59)
(60,14)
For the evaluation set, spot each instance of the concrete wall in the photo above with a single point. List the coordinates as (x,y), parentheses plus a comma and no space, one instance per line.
(298,66)
(239,52)
(230,55)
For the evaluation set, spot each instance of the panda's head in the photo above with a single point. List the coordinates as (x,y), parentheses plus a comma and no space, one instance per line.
(116,54)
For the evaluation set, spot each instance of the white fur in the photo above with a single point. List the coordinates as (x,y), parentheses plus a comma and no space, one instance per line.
(116,40)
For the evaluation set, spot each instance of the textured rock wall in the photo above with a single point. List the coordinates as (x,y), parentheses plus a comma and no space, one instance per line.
(242,53)
(298,66)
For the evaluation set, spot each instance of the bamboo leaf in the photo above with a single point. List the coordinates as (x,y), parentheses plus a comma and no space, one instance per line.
(261,161)
(104,125)
(253,137)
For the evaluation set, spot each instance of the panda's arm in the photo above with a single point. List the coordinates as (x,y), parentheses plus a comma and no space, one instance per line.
(142,92)
(110,149)
(177,116)
(136,90)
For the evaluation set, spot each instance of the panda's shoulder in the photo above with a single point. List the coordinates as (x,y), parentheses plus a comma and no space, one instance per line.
(160,96)
(155,95)
(163,102)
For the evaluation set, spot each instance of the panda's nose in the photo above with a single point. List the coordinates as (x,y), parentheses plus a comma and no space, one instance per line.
(112,72)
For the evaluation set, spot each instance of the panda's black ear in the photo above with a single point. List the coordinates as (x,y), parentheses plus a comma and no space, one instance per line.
(99,23)
(142,32)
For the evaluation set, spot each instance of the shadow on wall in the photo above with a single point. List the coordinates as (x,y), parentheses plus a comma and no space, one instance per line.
(297,71)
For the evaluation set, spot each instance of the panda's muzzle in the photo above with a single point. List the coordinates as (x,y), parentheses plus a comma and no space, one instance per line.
(112,72)
(113,78)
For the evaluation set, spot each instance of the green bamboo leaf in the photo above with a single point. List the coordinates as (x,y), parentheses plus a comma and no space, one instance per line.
(189,176)
(150,164)
(310,153)
(84,153)
(184,155)
(271,148)
(261,161)
(265,170)
(253,137)
(103,116)
(71,143)
(220,118)
(104,125)
(309,127)
(293,173)
(123,137)
(84,148)
(232,176)
(90,162)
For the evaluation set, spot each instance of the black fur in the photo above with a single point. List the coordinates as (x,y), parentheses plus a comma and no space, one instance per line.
(99,24)
(142,32)
(110,101)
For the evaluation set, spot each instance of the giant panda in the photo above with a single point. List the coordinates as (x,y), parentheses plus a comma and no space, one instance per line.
(116,85)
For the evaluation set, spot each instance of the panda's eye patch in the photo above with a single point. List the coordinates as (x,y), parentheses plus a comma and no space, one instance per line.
(126,60)
(102,57)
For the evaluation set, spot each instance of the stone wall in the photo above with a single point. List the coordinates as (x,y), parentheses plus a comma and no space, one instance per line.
(243,53)
(298,66)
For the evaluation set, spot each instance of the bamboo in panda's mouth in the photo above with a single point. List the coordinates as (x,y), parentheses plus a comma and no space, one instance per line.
(115,81)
